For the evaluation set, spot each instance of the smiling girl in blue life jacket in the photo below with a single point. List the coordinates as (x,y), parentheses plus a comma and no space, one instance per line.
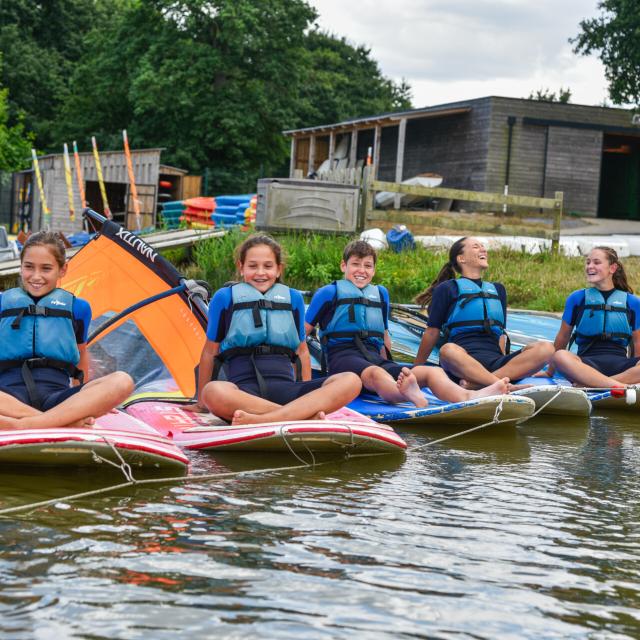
(43,335)
(471,315)
(256,329)
(604,322)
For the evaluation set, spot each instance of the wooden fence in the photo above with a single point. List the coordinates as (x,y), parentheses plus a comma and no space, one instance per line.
(369,186)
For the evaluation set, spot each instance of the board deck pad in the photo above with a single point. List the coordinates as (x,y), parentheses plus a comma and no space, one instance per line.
(469,412)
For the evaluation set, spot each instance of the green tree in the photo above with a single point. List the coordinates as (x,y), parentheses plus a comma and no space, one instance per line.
(15,143)
(545,95)
(40,41)
(615,35)
(212,81)
(342,81)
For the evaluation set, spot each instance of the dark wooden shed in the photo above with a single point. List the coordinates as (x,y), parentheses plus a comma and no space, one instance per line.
(531,147)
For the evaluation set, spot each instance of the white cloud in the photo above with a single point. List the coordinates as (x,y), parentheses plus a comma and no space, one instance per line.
(452,50)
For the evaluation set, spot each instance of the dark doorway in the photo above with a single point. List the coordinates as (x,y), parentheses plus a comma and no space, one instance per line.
(116,196)
(620,178)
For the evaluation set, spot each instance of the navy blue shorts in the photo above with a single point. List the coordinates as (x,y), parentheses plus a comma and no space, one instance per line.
(281,391)
(352,360)
(491,360)
(52,386)
(610,365)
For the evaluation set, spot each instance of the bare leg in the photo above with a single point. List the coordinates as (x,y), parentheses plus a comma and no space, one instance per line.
(381,382)
(577,371)
(444,388)
(530,360)
(457,361)
(94,399)
(12,407)
(223,398)
(630,376)
(336,391)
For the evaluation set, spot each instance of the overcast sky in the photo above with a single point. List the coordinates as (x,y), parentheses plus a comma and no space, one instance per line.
(461,49)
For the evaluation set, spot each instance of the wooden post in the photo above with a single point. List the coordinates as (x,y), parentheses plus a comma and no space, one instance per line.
(332,149)
(312,154)
(363,211)
(376,150)
(292,161)
(402,131)
(353,151)
(557,223)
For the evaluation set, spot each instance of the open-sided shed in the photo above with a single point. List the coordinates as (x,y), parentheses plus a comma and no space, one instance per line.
(531,147)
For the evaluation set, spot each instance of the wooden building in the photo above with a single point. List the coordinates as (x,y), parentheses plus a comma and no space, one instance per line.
(534,148)
(155,183)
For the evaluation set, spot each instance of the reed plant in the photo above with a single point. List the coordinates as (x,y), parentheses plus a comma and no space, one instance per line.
(542,281)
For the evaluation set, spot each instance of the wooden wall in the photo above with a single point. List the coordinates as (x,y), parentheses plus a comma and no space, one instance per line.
(454,146)
(573,155)
(145,166)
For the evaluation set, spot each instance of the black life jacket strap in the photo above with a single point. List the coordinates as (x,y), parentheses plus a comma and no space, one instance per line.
(34,310)
(468,297)
(352,302)
(28,364)
(256,305)
(252,352)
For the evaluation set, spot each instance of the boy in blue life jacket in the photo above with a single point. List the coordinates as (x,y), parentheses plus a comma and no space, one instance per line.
(353,319)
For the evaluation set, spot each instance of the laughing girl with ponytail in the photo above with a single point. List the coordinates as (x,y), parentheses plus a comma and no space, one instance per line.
(468,317)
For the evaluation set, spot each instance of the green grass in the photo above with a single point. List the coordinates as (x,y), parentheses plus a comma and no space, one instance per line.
(540,282)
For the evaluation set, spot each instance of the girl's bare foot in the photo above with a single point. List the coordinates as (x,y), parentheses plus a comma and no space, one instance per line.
(498,388)
(469,386)
(408,386)
(84,423)
(242,417)
(9,423)
(517,387)
(321,415)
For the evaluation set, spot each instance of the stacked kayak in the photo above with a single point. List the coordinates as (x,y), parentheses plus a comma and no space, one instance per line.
(468,413)
(116,437)
(344,431)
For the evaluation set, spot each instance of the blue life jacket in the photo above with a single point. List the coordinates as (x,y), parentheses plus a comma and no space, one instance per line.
(38,331)
(598,319)
(261,324)
(358,317)
(477,309)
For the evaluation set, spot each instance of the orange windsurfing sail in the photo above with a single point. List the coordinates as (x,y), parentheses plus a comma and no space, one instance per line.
(132,289)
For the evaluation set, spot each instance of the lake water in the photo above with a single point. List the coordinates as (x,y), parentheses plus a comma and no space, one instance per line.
(528,532)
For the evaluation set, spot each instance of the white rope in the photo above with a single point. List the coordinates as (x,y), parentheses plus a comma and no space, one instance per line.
(495,420)
(187,478)
(284,433)
(548,402)
(123,466)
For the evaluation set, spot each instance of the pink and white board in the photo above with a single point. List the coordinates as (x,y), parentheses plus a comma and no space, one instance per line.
(139,445)
(342,431)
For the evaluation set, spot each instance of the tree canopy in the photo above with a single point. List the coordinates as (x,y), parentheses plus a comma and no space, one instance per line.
(214,82)
(546,95)
(615,35)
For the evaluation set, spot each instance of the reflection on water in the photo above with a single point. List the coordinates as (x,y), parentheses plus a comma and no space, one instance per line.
(525,533)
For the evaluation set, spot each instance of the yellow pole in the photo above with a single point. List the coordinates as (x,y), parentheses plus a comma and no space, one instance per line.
(45,209)
(67,177)
(103,191)
(132,180)
(79,176)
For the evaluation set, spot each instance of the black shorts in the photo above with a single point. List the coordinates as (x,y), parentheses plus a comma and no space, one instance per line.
(279,390)
(610,365)
(352,360)
(491,360)
(52,386)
